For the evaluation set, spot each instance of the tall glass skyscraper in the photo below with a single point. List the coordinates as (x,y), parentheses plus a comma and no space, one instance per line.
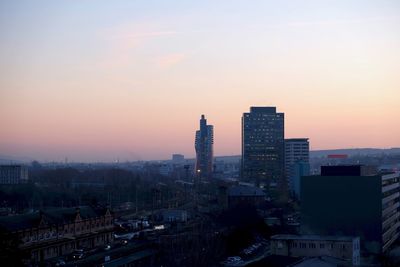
(263,147)
(204,149)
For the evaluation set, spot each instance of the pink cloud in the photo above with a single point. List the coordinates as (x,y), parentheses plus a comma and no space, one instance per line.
(124,40)
(170,60)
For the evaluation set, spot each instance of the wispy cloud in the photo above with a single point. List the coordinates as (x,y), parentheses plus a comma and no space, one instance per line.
(341,21)
(170,60)
(143,34)
(135,31)
(125,40)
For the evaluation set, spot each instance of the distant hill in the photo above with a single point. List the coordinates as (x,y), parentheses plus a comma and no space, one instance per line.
(324,153)
(7,159)
(356,151)
(228,159)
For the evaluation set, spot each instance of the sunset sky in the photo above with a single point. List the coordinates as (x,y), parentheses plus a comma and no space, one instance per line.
(101,80)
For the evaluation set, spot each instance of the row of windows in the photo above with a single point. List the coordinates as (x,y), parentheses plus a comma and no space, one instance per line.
(66,247)
(68,229)
(314,245)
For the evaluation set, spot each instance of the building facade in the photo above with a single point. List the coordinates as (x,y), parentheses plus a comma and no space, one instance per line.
(263,147)
(353,201)
(346,248)
(13,174)
(57,232)
(204,143)
(178,159)
(245,195)
(297,163)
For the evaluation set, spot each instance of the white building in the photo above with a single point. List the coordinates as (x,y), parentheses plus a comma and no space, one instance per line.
(13,174)
(297,162)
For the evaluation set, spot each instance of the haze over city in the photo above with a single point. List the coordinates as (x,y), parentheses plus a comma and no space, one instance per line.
(130,79)
(200,133)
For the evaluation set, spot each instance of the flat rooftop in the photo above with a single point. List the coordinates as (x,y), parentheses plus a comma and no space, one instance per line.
(348,170)
(288,140)
(263,109)
(313,237)
(242,190)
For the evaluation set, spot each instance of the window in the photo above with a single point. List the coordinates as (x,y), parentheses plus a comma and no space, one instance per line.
(322,246)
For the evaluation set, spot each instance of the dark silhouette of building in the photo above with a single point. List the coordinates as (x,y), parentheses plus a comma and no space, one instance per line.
(263,147)
(245,195)
(353,201)
(204,149)
(178,158)
(59,231)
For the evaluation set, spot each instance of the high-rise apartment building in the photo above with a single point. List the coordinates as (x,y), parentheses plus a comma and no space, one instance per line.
(13,174)
(297,162)
(263,147)
(353,201)
(204,149)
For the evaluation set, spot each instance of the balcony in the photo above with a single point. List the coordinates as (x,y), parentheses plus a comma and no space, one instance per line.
(389,242)
(390,187)
(389,209)
(388,234)
(390,198)
(389,220)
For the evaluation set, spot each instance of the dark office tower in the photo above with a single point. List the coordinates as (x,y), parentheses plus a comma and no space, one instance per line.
(204,149)
(263,147)
(352,201)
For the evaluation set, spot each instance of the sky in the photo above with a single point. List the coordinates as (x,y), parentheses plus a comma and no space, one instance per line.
(128,80)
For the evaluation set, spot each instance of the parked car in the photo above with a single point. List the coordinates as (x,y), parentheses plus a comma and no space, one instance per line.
(59,262)
(78,254)
(232,261)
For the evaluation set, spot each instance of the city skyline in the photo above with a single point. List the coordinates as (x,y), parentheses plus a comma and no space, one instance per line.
(100,82)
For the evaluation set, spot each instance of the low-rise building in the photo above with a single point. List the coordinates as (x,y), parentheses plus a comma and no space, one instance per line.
(245,195)
(178,159)
(346,248)
(55,232)
(323,261)
(172,215)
